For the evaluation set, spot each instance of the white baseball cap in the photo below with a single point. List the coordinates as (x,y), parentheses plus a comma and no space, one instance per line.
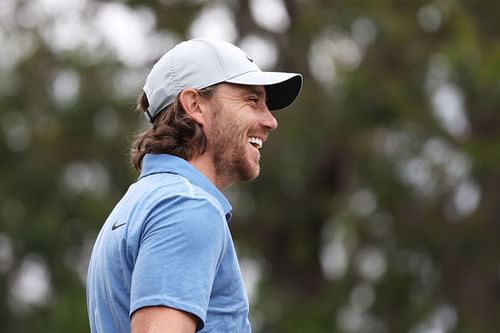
(199,63)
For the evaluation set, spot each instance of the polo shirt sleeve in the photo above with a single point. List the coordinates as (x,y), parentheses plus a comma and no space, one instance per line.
(180,250)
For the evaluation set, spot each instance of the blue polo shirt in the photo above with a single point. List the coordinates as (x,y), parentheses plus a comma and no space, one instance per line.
(167,243)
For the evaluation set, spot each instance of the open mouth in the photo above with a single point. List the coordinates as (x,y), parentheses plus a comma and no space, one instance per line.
(256,142)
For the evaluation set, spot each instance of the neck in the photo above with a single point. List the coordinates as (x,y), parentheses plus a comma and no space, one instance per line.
(205,165)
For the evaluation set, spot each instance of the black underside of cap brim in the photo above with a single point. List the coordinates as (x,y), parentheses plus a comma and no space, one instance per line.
(282,94)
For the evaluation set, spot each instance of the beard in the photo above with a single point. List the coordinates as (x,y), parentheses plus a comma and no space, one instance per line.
(229,145)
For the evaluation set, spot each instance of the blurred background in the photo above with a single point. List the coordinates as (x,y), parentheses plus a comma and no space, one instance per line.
(378,205)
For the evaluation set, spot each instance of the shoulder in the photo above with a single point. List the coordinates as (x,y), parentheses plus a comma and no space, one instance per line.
(169,200)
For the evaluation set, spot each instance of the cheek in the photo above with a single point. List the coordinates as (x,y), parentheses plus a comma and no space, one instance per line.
(234,128)
(229,127)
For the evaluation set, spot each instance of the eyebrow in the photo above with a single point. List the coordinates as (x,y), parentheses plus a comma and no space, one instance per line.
(255,90)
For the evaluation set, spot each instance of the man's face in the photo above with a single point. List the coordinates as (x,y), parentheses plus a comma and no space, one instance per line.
(237,130)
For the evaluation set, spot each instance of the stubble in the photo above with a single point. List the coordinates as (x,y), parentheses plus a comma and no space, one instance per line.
(231,160)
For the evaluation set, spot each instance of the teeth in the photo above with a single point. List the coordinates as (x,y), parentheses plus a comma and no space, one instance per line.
(256,142)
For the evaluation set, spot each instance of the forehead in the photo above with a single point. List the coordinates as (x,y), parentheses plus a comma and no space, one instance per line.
(240,89)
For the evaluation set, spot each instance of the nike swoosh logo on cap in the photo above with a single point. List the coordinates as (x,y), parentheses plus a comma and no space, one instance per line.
(116,225)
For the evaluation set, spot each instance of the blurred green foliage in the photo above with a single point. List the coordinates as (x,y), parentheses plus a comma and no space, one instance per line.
(377,209)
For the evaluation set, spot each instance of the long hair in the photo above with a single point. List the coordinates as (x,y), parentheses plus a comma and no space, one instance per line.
(173,132)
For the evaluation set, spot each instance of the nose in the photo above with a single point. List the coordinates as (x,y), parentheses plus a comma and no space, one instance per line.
(268,120)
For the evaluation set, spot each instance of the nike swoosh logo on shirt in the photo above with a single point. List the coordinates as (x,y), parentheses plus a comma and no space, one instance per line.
(116,225)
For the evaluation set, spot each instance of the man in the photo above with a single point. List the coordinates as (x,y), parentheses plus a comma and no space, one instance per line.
(164,261)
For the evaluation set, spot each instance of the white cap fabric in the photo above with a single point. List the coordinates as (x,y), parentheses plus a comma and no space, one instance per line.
(199,63)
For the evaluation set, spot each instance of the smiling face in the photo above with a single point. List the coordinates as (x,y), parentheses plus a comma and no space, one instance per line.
(238,128)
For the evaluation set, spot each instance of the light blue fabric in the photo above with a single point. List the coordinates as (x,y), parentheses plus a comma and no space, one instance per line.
(167,243)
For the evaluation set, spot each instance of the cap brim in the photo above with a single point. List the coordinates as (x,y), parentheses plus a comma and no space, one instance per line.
(281,88)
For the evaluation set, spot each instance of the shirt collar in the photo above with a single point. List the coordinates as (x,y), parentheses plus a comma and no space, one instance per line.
(165,163)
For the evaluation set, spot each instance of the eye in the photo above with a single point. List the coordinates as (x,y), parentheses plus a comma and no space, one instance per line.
(254,99)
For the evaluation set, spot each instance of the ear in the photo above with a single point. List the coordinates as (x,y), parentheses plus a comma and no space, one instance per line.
(190,101)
